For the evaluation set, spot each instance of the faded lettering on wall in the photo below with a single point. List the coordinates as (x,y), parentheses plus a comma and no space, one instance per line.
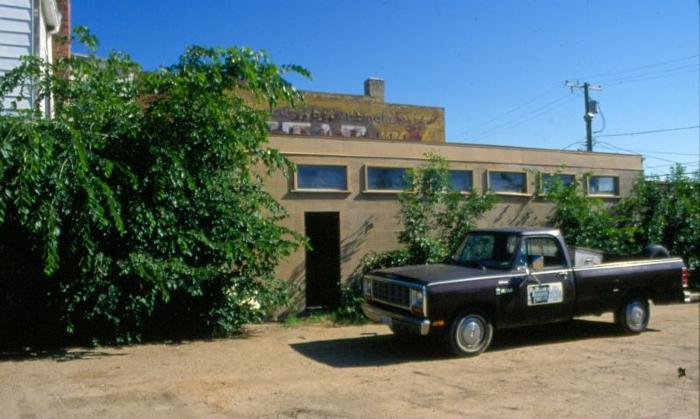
(331,115)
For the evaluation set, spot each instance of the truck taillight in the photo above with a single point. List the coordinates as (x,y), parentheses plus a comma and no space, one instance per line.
(684,277)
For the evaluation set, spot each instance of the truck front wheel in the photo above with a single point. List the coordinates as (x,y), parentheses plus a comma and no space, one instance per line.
(470,334)
(633,315)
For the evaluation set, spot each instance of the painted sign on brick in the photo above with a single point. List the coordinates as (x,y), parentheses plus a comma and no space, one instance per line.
(331,115)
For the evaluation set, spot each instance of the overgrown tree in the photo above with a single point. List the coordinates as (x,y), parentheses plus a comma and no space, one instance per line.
(140,195)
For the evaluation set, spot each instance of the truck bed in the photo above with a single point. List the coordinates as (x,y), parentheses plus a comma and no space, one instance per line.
(601,287)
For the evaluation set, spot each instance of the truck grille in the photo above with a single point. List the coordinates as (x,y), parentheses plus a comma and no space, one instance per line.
(390,293)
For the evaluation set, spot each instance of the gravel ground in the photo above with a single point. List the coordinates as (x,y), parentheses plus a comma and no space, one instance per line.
(578,369)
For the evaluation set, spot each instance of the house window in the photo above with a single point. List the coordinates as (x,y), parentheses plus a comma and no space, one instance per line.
(385,178)
(318,177)
(603,185)
(461,180)
(508,182)
(546,180)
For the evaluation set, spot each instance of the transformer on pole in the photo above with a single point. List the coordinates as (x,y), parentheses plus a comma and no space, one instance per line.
(591,107)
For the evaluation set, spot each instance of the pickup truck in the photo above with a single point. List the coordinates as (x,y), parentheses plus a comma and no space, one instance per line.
(509,277)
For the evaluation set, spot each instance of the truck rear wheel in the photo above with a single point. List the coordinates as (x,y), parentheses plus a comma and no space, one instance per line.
(633,315)
(470,334)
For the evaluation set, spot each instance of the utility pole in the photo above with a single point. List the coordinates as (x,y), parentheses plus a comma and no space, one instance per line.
(591,108)
(588,118)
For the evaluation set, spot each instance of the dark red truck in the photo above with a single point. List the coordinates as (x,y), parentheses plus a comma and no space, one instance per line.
(509,277)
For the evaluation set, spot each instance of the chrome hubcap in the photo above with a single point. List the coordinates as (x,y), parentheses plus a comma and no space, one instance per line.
(635,315)
(471,332)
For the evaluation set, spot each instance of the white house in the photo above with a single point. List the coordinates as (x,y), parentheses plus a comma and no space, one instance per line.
(27,28)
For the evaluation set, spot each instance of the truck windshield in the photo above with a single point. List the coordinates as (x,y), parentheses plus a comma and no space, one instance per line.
(487,250)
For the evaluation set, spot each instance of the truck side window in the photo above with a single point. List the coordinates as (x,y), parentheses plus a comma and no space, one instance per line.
(543,253)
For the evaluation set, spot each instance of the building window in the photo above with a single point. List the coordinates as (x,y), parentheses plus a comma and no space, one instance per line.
(604,185)
(508,182)
(319,177)
(385,178)
(461,180)
(546,180)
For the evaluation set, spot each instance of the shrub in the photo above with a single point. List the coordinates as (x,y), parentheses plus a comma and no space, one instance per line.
(668,212)
(589,222)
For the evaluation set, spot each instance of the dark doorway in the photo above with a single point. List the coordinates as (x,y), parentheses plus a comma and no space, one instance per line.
(323,259)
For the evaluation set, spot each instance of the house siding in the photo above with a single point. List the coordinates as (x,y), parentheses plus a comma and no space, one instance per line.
(15,38)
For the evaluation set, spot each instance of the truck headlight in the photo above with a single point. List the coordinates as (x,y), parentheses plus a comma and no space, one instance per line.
(367,287)
(416,302)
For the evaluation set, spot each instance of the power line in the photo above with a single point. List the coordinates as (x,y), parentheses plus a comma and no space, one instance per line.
(602,118)
(626,150)
(516,117)
(692,66)
(697,172)
(548,107)
(669,162)
(653,131)
(522,105)
(581,141)
(666,152)
(692,163)
(632,69)
(656,77)
(625,134)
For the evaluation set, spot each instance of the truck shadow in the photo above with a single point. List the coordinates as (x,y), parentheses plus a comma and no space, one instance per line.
(381,350)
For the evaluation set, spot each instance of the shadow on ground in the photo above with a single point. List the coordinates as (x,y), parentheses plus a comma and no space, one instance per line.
(58,355)
(16,352)
(381,350)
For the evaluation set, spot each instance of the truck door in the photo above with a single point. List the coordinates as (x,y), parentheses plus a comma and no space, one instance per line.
(545,291)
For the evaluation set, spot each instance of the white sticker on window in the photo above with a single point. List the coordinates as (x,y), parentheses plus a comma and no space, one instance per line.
(550,293)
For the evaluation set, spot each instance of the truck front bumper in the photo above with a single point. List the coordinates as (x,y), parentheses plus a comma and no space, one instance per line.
(418,326)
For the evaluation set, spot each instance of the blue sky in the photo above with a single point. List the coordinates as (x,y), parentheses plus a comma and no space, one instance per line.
(497,67)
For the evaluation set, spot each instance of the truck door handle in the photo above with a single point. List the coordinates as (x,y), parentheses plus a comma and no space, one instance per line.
(562,275)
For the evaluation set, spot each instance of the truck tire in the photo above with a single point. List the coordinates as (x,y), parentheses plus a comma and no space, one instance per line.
(633,315)
(470,334)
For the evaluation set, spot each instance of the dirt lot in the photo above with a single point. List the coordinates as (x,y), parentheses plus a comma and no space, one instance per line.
(582,369)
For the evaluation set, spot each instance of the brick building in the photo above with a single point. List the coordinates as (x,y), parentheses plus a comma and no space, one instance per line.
(350,152)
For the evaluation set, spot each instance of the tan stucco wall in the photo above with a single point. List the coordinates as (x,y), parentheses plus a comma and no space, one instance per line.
(368,220)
